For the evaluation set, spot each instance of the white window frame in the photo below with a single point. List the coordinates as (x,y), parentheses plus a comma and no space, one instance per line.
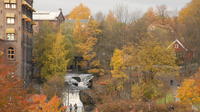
(13,6)
(7,5)
(10,20)
(10,36)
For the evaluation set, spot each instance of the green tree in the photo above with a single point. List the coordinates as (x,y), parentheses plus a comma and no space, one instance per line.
(50,53)
(67,31)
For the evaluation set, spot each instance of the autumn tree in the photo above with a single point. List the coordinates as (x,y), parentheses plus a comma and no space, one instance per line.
(41,104)
(54,86)
(67,30)
(150,15)
(80,12)
(106,44)
(86,37)
(118,64)
(149,91)
(50,52)
(13,96)
(189,18)
(155,59)
(189,91)
(141,64)
(56,62)
(117,32)
(148,57)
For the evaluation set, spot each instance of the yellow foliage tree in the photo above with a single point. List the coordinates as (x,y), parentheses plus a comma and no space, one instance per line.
(190,21)
(117,63)
(190,11)
(189,92)
(149,57)
(85,36)
(80,12)
(156,58)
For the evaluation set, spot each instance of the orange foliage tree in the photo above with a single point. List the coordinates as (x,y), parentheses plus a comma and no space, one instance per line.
(13,97)
(189,92)
(54,105)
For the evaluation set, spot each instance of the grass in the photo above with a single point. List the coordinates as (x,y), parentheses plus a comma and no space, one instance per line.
(169,98)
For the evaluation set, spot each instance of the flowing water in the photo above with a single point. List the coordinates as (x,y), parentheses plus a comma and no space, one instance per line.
(74,84)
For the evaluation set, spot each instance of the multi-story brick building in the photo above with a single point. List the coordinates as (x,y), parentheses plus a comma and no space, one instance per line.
(16,34)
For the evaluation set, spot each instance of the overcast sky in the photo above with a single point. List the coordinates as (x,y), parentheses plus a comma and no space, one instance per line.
(106,5)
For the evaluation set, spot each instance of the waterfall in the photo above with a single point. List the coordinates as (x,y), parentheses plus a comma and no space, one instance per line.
(74,84)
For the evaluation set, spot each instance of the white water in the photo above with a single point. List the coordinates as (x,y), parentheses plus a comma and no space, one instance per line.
(71,95)
(74,98)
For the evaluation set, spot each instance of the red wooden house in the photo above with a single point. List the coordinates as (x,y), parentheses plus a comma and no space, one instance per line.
(184,55)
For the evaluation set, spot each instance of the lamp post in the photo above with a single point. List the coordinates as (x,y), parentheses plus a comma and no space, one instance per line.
(68,94)
(68,87)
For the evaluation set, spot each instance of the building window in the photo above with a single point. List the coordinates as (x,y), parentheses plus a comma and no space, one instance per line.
(7,5)
(10,20)
(176,46)
(10,36)
(10,5)
(13,6)
(11,53)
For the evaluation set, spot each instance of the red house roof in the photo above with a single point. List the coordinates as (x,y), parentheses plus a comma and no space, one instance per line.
(179,43)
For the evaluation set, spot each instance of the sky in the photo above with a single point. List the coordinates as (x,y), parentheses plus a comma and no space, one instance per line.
(106,5)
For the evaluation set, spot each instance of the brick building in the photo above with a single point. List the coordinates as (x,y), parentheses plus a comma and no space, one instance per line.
(16,35)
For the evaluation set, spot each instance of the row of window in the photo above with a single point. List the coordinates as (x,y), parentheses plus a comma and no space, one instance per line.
(10,5)
(10,36)
(10,20)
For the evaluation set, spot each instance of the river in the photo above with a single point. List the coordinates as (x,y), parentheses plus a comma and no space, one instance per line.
(74,84)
